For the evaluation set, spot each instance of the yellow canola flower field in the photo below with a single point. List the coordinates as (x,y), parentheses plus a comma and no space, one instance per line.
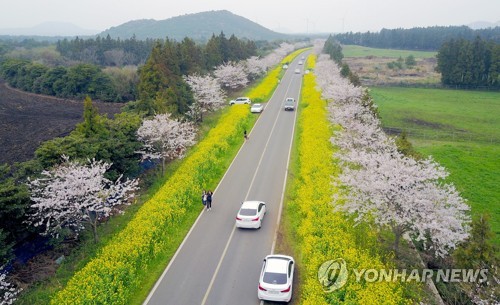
(120,266)
(321,233)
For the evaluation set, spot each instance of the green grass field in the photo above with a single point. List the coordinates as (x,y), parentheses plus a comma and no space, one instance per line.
(460,129)
(359,51)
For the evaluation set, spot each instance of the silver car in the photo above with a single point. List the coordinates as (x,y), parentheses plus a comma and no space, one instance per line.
(241,100)
(289,104)
(257,108)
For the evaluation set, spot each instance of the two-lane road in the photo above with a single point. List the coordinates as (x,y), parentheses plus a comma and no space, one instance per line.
(218,263)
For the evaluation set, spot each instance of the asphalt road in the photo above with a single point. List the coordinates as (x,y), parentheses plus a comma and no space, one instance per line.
(218,263)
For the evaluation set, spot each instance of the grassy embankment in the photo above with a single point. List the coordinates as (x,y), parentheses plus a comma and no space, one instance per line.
(461,130)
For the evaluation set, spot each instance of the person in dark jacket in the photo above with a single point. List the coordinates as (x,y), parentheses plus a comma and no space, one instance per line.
(209,200)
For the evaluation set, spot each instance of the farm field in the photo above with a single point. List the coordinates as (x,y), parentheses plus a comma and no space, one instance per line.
(360,51)
(371,66)
(27,120)
(460,129)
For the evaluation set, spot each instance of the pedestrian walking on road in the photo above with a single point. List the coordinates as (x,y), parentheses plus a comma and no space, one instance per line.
(204,197)
(209,200)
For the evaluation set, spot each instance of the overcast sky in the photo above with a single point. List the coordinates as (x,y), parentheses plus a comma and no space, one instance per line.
(284,16)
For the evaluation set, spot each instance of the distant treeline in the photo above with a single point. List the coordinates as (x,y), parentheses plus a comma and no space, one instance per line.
(470,63)
(106,51)
(8,44)
(161,86)
(165,61)
(428,38)
(74,82)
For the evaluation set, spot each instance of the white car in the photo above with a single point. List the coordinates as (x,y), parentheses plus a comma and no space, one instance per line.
(300,62)
(297,71)
(276,278)
(257,108)
(241,100)
(251,214)
(289,104)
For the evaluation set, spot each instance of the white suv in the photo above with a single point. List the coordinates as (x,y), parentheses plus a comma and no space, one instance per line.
(241,100)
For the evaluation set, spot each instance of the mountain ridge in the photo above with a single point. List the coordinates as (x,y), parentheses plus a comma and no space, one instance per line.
(50,28)
(198,26)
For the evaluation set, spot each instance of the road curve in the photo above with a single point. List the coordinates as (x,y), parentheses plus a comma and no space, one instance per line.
(218,263)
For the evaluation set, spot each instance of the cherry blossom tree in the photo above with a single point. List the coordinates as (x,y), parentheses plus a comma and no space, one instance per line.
(231,75)
(378,182)
(406,196)
(73,196)
(8,293)
(208,95)
(277,55)
(285,49)
(165,138)
(255,67)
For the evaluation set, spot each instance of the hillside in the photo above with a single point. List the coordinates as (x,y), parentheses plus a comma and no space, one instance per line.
(199,26)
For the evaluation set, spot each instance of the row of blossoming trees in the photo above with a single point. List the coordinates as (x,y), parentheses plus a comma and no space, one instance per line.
(379,184)
(210,90)
(73,196)
(406,195)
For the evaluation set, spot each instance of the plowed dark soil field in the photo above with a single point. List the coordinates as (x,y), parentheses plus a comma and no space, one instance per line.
(27,119)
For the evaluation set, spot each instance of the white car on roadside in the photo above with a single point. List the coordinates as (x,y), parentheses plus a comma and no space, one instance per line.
(240,100)
(276,278)
(257,108)
(251,214)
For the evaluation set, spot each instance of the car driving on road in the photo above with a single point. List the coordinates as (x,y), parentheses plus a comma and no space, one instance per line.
(257,108)
(251,214)
(276,278)
(240,100)
(297,71)
(289,104)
